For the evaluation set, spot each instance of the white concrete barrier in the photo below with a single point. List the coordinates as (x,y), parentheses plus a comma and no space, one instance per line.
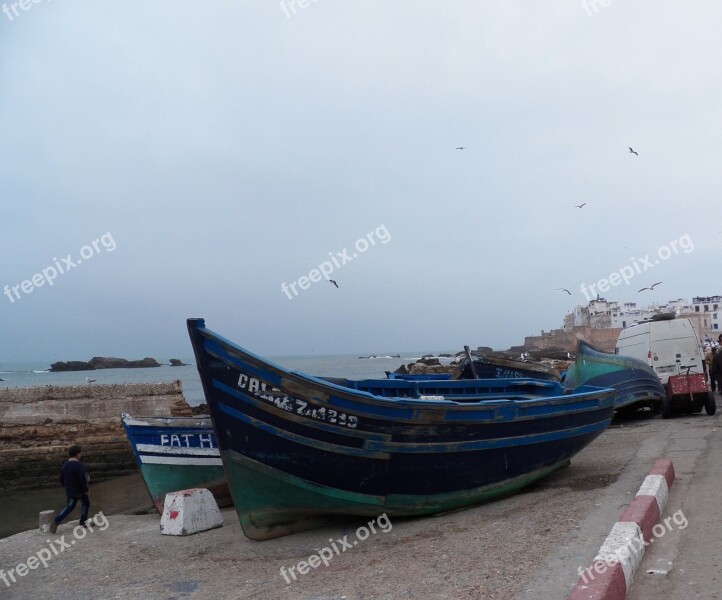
(44,520)
(189,511)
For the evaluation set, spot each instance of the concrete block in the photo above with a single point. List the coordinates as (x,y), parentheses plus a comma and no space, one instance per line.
(45,519)
(190,511)
(664,467)
(625,546)
(644,511)
(655,485)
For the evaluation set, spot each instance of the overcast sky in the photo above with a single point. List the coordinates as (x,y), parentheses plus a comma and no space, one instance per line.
(225,148)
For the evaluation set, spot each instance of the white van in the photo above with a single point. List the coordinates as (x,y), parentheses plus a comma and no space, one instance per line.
(670,346)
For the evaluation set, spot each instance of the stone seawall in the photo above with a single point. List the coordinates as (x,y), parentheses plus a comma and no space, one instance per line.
(603,339)
(37,425)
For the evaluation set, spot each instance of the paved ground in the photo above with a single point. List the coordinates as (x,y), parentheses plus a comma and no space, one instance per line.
(528,546)
(691,556)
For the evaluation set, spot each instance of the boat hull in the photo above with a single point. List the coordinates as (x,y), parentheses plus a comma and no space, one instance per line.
(491,367)
(297,449)
(635,384)
(177,453)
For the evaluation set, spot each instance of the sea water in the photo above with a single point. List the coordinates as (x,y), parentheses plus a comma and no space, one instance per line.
(350,366)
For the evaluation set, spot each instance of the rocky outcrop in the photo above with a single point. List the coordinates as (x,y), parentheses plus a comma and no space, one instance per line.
(71,365)
(175,362)
(103,362)
(426,365)
(37,425)
(429,362)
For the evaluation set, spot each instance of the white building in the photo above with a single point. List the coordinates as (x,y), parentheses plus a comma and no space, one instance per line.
(703,311)
(627,314)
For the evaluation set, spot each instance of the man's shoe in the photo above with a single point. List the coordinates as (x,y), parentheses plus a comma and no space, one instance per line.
(53,527)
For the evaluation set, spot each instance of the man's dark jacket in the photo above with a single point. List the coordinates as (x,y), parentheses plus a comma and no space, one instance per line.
(717,362)
(72,476)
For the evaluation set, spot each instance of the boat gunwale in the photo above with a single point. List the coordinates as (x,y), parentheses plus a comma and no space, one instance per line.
(198,422)
(413,419)
(600,397)
(516,364)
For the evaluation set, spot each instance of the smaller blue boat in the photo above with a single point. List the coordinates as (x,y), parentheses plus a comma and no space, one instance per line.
(635,384)
(177,453)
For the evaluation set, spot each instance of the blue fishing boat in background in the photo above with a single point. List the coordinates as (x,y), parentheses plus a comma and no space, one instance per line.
(419,376)
(297,448)
(487,366)
(177,453)
(635,384)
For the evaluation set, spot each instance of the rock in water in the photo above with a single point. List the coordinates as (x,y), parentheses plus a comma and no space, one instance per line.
(71,365)
(102,362)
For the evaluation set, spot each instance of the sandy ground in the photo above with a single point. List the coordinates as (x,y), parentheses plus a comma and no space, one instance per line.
(527,546)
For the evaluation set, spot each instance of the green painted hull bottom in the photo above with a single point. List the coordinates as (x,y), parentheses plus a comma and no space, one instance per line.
(161,479)
(272,504)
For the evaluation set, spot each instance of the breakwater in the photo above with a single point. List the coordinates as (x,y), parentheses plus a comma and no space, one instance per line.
(38,424)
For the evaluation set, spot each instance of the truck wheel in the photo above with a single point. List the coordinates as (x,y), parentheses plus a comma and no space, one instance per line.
(666,407)
(710,405)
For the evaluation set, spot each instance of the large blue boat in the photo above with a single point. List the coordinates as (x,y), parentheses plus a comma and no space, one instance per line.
(297,448)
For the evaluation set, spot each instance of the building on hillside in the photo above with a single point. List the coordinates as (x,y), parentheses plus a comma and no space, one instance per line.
(702,311)
(706,304)
(627,314)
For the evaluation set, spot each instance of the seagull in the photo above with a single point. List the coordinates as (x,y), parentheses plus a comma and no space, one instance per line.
(569,356)
(650,287)
(332,281)
(582,205)
(633,151)
(564,290)
(461,147)
(89,380)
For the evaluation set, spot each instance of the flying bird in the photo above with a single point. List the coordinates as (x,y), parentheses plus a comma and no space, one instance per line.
(332,281)
(582,205)
(633,151)
(651,287)
(564,290)
(461,147)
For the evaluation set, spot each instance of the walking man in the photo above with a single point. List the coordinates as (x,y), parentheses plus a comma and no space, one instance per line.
(717,368)
(75,480)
